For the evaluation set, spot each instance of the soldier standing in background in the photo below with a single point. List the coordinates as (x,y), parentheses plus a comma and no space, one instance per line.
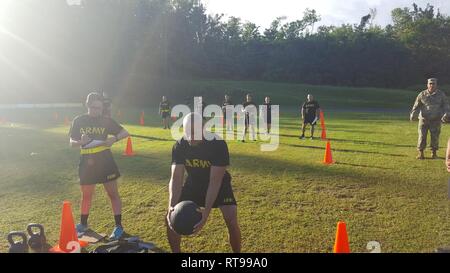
(250,112)
(430,108)
(310,111)
(164,112)
(227,120)
(266,113)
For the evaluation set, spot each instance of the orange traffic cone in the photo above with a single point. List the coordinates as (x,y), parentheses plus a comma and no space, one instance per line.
(324,133)
(341,243)
(322,120)
(328,159)
(141,120)
(129,149)
(68,239)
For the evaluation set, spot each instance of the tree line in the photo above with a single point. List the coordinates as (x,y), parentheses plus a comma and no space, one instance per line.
(131,44)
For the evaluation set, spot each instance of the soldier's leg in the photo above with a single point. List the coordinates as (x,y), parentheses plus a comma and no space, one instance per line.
(435,131)
(173,238)
(422,141)
(247,120)
(303,129)
(244,130)
(166,122)
(252,133)
(423,130)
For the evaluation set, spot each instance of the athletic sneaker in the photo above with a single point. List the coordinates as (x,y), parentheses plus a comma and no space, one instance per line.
(301,137)
(81,229)
(117,233)
(312,138)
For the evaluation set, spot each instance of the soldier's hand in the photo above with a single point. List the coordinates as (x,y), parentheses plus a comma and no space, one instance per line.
(447,163)
(110,141)
(169,212)
(85,139)
(202,222)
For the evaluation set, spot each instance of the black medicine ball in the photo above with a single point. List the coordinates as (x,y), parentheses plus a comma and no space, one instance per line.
(184,217)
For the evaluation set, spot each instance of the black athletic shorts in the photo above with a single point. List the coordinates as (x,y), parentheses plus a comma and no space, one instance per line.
(268,118)
(97,168)
(224,117)
(247,120)
(165,114)
(196,192)
(309,120)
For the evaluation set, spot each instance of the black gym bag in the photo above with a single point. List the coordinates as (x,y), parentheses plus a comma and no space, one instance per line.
(124,246)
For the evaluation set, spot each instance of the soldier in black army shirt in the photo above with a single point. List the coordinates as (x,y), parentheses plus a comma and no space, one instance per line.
(266,113)
(164,111)
(208,183)
(250,111)
(310,113)
(95,134)
(227,120)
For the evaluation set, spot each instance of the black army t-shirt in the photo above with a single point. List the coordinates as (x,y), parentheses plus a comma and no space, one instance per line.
(268,108)
(310,109)
(249,109)
(164,106)
(224,107)
(199,159)
(247,103)
(225,104)
(96,128)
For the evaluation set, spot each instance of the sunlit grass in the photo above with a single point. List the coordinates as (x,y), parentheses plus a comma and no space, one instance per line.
(288,200)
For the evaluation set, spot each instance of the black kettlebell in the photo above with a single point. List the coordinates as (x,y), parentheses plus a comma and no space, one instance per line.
(19,246)
(36,240)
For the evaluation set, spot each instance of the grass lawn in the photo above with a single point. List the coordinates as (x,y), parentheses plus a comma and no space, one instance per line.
(288,200)
(289,95)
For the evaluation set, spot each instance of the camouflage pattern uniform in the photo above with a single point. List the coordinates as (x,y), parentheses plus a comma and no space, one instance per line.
(429,108)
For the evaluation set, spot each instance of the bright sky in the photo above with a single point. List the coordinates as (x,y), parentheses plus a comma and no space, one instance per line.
(333,12)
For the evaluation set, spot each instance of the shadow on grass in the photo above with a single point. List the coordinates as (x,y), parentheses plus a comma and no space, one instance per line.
(279,168)
(364,142)
(364,166)
(350,131)
(329,129)
(151,138)
(343,150)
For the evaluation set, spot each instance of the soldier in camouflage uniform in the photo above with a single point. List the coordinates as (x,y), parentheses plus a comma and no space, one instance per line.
(430,107)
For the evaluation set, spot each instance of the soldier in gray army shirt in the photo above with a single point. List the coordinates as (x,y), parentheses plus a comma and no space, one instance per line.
(430,107)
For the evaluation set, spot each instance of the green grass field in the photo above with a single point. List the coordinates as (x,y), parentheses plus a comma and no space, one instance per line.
(289,94)
(288,200)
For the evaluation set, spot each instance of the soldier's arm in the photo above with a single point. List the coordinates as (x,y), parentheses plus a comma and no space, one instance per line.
(416,107)
(175,184)
(445,104)
(447,156)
